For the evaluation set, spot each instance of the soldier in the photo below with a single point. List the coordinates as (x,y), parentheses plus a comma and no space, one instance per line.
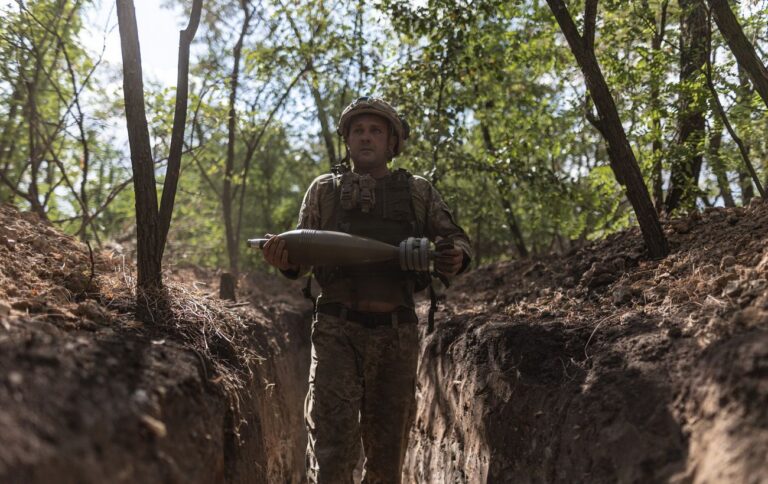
(364,335)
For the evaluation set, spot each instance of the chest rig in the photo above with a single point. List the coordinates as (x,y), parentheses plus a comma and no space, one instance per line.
(380,209)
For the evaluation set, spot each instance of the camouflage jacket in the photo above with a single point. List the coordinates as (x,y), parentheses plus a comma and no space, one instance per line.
(433,217)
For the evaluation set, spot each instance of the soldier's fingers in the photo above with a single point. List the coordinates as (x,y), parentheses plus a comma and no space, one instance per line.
(277,251)
(271,250)
(272,246)
(284,264)
(442,266)
(265,247)
(448,267)
(453,260)
(268,248)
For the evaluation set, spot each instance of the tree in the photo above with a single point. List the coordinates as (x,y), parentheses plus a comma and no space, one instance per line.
(723,118)
(716,162)
(53,157)
(152,224)
(694,50)
(494,98)
(740,46)
(622,157)
(229,280)
(656,81)
(260,80)
(503,188)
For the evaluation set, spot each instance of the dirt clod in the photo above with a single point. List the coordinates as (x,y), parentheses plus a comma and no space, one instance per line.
(157,427)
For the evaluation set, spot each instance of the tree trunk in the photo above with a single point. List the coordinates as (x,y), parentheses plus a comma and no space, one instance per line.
(252,145)
(656,110)
(151,224)
(503,188)
(228,286)
(227,195)
(148,258)
(173,169)
(322,116)
(720,110)
(716,162)
(740,46)
(35,153)
(623,162)
(694,50)
(747,190)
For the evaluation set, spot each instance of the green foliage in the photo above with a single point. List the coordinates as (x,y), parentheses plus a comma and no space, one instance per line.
(54,159)
(490,88)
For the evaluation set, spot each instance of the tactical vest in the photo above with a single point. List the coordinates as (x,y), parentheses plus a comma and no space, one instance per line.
(383,210)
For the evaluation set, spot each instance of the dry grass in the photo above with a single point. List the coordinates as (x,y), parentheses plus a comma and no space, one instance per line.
(218,335)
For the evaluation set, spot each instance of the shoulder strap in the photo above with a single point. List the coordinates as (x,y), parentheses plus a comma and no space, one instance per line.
(421,230)
(336,172)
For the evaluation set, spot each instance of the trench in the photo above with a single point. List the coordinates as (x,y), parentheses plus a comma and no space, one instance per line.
(503,400)
(500,400)
(596,367)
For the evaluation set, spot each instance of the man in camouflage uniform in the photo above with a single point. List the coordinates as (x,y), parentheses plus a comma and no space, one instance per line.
(364,336)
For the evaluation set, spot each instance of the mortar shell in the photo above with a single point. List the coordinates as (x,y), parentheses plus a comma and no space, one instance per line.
(323,247)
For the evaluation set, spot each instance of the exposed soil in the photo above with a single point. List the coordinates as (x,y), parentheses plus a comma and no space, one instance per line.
(91,395)
(600,366)
(604,366)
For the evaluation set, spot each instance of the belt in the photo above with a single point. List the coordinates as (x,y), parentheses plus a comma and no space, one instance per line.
(367,318)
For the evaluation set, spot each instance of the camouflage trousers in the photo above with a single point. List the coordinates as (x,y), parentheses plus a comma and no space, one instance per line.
(361,387)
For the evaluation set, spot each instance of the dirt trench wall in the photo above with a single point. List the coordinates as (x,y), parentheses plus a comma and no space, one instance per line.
(510,402)
(729,397)
(121,406)
(598,367)
(516,402)
(275,428)
(604,365)
(88,394)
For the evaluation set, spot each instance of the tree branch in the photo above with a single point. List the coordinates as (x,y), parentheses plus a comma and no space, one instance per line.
(590,19)
(724,117)
(740,46)
(256,141)
(186,37)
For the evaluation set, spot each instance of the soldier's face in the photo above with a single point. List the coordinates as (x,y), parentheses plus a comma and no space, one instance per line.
(369,142)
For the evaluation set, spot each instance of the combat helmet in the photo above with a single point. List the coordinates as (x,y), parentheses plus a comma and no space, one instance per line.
(380,107)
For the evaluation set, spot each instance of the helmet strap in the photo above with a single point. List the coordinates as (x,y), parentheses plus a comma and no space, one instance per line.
(343,165)
(345,160)
(343,142)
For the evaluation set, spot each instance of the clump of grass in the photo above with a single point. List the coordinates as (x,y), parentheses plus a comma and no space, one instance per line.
(218,335)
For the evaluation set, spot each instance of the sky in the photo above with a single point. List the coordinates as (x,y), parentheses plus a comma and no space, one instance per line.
(159,42)
(158,37)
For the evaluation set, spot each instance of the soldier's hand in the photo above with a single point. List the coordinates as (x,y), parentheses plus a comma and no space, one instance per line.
(448,260)
(276,255)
